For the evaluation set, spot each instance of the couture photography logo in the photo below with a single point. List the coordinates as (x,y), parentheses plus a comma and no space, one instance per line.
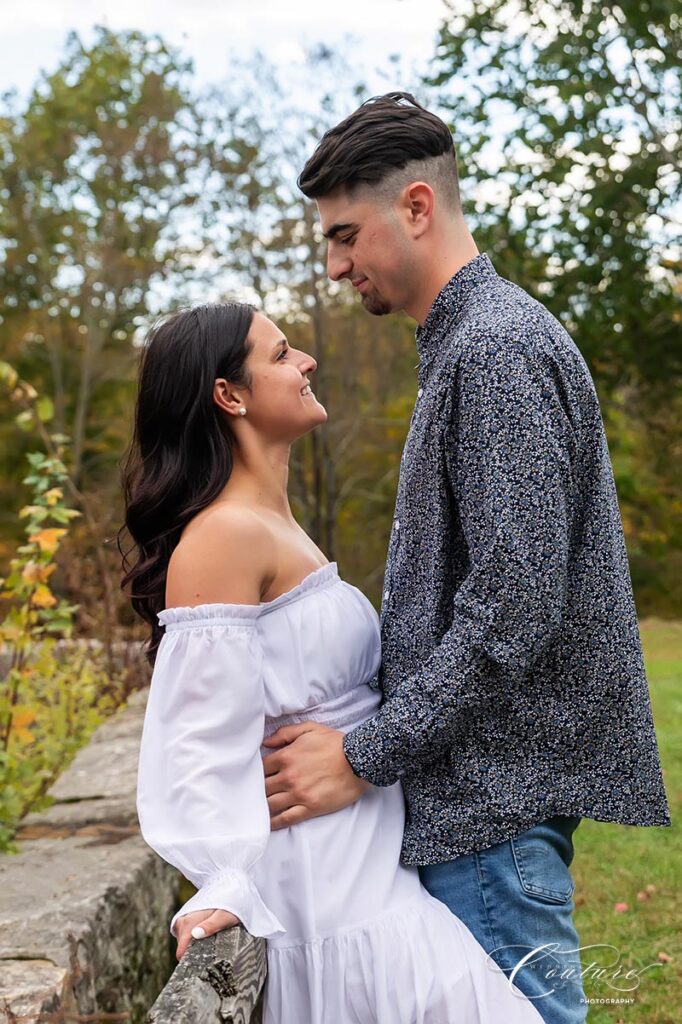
(601,970)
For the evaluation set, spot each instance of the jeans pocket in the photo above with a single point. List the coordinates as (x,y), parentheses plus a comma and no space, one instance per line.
(542,872)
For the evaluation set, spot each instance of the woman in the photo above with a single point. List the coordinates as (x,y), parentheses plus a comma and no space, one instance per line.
(261,631)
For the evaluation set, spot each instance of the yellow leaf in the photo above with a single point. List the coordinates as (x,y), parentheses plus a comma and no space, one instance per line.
(48,539)
(19,729)
(53,495)
(34,572)
(8,374)
(43,597)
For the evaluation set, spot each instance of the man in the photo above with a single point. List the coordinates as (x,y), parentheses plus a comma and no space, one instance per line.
(515,698)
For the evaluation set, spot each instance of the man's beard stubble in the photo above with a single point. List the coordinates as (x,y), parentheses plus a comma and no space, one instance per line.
(375,305)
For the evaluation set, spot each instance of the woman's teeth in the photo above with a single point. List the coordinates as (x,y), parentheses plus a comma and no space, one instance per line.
(307,390)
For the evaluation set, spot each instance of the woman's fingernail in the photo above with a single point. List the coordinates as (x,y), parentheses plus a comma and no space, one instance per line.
(198,932)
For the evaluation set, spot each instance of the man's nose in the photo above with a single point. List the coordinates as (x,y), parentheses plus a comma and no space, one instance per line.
(338,265)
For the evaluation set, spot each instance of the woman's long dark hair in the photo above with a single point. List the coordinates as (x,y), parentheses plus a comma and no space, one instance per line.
(180,456)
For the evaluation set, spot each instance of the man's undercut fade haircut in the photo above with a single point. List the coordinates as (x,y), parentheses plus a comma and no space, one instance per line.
(387,142)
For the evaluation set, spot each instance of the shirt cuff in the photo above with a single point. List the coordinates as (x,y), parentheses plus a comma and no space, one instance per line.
(234,891)
(365,752)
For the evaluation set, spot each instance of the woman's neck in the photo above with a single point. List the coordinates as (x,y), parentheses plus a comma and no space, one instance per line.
(260,476)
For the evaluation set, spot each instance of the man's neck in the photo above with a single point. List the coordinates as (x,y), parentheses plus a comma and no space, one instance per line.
(447,260)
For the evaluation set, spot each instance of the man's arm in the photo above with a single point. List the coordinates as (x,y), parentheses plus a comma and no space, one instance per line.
(510,457)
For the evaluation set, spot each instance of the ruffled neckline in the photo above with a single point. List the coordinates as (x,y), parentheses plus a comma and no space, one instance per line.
(315,580)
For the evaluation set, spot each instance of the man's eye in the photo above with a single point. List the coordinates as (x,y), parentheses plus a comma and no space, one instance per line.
(348,239)
(282,354)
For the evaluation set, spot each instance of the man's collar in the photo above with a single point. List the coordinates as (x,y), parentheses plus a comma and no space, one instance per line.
(452,298)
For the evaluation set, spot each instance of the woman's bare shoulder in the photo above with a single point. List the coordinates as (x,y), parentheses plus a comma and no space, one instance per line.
(226,555)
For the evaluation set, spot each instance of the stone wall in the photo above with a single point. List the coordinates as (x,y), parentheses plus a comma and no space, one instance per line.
(85,904)
(85,907)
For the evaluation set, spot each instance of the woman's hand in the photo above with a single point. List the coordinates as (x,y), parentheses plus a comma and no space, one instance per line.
(211,921)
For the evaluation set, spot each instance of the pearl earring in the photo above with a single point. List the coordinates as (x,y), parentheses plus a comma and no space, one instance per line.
(242,411)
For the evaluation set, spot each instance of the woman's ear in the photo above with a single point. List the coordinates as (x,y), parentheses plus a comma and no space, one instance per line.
(228,398)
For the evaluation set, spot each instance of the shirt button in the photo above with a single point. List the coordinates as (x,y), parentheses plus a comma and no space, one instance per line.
(387,594)
(396,525)
(420,392)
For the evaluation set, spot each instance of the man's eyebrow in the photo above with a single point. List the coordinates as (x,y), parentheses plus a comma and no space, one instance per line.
(335,228)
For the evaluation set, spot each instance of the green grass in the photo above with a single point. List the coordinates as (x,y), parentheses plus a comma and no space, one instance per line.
(614,863)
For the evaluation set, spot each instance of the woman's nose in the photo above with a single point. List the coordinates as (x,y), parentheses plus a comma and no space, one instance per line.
(309,364)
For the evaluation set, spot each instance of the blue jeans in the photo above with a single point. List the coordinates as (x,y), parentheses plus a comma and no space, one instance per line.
(515,897)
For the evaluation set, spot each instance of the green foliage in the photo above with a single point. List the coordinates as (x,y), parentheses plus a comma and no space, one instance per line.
(48,709)
(343,476)
(571,110)
(95,174)
(49,705)
(566,118)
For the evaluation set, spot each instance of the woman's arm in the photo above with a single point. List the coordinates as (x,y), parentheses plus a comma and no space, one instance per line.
(201,794)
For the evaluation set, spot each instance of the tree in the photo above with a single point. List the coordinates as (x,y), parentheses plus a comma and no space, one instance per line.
(566,115)
(93,174)
(257,221)
(96,171)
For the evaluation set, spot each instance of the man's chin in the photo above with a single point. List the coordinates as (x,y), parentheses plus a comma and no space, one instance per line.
(376,306)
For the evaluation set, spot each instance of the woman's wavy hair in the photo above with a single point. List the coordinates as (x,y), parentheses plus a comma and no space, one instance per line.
(181,453)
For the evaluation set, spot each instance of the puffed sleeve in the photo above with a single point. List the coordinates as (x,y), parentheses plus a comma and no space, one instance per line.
(201,790)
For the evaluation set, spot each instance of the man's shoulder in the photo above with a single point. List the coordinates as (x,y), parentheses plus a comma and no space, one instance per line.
(505,323)
(504,309)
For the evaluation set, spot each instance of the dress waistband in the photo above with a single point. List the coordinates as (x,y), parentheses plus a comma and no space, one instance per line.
(343,712)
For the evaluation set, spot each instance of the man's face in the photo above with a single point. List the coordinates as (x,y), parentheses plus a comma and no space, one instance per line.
(367,245)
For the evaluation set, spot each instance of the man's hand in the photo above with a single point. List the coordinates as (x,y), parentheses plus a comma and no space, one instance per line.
(310,774)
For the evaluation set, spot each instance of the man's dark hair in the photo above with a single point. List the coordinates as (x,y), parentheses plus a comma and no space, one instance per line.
(384,135)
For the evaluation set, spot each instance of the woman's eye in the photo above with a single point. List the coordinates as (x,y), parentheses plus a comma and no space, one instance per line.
(282,354)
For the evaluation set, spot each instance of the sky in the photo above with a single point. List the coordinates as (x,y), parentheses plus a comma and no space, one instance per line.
(208,31)
(214,32)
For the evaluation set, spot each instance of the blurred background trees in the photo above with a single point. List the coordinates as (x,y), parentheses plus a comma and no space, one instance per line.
(567,120)
(124,192)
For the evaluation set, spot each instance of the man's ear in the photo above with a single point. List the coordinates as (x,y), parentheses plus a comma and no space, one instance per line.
(227,397)
(419,205)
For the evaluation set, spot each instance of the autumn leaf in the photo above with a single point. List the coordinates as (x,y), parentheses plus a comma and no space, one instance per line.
(48,540)
(53,495)
(43,597)
(19,729)
(34,572)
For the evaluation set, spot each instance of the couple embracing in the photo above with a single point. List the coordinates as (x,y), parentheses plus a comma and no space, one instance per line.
(390,802)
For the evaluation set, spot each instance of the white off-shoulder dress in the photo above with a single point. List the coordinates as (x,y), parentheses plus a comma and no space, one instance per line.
(352,936)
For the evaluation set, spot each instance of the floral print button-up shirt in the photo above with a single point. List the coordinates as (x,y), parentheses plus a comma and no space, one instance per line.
(512,672)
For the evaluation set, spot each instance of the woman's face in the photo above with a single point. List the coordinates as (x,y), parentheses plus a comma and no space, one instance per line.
(280,403)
